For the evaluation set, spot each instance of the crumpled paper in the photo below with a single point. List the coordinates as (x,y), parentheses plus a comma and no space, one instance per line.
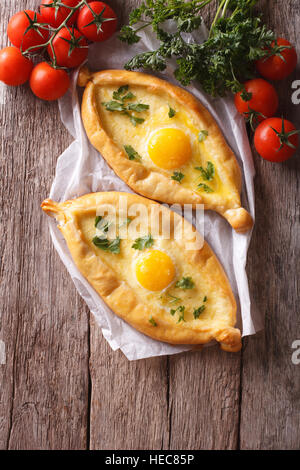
(81,169)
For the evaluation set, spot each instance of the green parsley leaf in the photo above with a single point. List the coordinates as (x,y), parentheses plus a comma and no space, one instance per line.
(173,299)
(132,154)
(136,120)
(107,245)
(117,95)
(185,283)
(202,135)
(138,107)
(118,104)
(207,174)
(204,299)
(179,309)
(205,188)
(114,106)
(97,220)
(152,321)
(128,220)
(102,224)
(143,242)
(197,311)
(128,35)
(181,316)
(129,96)
(177,176)
(172,112)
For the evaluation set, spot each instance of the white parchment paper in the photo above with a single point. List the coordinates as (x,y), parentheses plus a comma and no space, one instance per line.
(81,169)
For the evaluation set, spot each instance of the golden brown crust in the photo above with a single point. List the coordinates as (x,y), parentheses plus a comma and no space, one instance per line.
(239,219)
(113,290)
(156,185)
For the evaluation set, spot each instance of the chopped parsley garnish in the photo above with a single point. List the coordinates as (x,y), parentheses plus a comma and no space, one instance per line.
(177,176)
(205,188)
(132,154)
(179,309)
(173,299)
(202,135)
(152,321)
(119,104)
(136,120)
(97,220)
(125,222)
(114,106)
(185,283)
(143,242)
(138,107)
(120,94)
(102,224)
(181,316)
(209,173)
(107,245)
(197,311)
(171,113)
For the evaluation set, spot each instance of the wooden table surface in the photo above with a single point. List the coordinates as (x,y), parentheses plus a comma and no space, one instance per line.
(62,387)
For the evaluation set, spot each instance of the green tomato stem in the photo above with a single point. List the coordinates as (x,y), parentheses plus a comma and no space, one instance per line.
(56,31)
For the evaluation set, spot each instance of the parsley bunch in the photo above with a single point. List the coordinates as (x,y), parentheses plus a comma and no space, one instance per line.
(236,39)
(119,103)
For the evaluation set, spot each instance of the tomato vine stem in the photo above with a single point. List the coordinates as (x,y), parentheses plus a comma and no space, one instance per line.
(64,24)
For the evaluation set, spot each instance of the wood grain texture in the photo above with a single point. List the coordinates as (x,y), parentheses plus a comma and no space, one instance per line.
(270,402)
(62,387)
(43,322)
(129,401)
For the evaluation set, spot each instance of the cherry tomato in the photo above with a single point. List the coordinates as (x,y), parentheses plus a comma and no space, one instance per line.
(103,19)
(17,26)
(276,139)
(48,83)
(15,69)
(262,103)
(281,63)
(56,14)
(63,43)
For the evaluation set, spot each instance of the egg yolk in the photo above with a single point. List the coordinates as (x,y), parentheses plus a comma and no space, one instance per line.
(169,148)
(154,270)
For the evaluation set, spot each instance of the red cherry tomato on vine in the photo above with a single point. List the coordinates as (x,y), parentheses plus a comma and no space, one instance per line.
(66,41)
(56,14)
(98,24)
(35,35)
(15,69)
(262,100)
(281,63)
(276,139)
(49,83)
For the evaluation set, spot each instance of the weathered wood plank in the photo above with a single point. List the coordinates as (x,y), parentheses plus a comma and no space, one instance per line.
(270,383)
(44,383)
(129,401)
(204,400)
